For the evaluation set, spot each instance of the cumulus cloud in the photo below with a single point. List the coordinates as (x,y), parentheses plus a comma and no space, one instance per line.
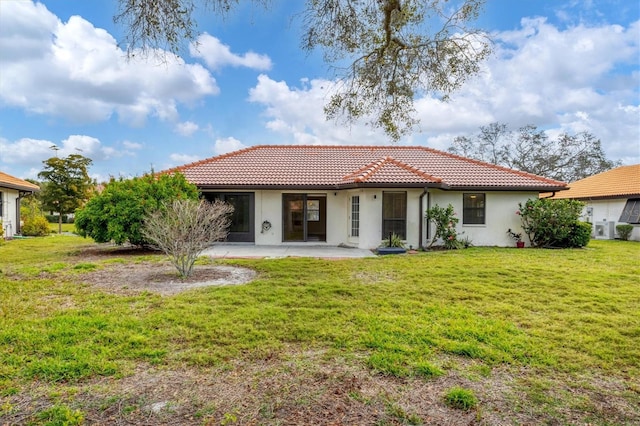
(297,113)
(224,145)
(76,71)
(580,78)
(180,159)
(186,128)
(217,55)
(27,152)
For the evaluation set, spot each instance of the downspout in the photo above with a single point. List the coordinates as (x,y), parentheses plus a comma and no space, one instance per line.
(421,216)
(549,196)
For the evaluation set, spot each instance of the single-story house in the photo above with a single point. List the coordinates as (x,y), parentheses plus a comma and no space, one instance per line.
(358,195)
(12,189)
(612,198)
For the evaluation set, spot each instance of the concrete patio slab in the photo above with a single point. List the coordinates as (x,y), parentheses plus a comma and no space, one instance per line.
(237,250)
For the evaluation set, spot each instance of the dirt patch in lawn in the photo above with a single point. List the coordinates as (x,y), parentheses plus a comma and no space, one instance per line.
(319,387)
(157,276)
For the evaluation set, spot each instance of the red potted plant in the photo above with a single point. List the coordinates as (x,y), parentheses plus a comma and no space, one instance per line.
(517,237)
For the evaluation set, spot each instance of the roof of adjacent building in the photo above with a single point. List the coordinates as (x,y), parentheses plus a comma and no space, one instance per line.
(621,182)
(8,181)
(339,167)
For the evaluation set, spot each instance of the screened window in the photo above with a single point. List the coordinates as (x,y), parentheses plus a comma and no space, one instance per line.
(631,212)
(394,214)
(473,209)
(355,216)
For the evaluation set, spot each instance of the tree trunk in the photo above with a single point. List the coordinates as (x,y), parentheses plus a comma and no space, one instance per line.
(59,223)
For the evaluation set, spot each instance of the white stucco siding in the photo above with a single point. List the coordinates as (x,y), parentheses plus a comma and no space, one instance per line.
(8,219)
(500,215)
(607,211)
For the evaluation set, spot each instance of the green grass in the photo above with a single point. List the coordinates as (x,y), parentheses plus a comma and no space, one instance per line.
(66,227)
(560,311)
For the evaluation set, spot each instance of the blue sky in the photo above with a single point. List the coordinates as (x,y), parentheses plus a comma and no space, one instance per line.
(564,66)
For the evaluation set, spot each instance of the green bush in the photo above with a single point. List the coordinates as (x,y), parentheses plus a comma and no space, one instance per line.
(461,398)
(579,236)
(445,221)
(35,226)
(624,231)
(554,223)
(117,213)
(53,218)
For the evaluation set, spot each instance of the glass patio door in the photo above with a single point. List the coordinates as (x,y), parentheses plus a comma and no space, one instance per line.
(304,217)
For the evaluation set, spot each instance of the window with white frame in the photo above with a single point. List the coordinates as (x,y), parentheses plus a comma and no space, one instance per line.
(355,216)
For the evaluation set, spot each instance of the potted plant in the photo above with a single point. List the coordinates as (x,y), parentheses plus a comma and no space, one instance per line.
(517,238)
(392,245)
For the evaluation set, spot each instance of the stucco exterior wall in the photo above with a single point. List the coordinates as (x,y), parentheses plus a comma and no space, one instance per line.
(607,211)
(9,219)
(500,213)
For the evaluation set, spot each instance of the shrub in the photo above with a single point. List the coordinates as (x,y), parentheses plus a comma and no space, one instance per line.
(445,221)
(579,235)
(553,223)
(624,231)
(117,213)
(184,228)
(394,241)
(461,398)
(35,226)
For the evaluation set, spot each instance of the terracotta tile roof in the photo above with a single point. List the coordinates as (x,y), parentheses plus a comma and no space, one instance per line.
(8,181)
(621,182)
(334,167)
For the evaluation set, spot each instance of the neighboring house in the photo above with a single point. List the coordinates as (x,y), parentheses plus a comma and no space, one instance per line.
(357,195)
(612,198)
(12,190)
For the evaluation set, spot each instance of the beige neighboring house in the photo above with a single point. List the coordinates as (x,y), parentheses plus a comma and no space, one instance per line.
(12,190)
(357,195)
(612,198)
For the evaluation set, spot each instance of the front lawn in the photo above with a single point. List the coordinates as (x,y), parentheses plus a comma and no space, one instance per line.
(539,336)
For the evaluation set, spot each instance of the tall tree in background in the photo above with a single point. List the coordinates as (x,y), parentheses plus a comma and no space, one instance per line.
(67,184)
(567,158)
(385,52)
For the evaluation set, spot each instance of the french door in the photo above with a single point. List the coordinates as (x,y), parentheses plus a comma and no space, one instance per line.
(304,217)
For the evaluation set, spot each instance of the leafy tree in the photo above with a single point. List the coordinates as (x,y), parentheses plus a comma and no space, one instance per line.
(67,184)
(554,223)
(117,213)
(567,158)
(384,51)
(184,228)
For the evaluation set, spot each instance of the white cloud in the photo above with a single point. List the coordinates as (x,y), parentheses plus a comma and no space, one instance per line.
(217,55)
(577,79)
(180,159)
(76,71)
(186,128)
(224,145)
(133,146)
(28,152)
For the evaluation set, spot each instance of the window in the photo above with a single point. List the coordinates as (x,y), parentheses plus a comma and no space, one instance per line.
(355,216)
(1,205)
(473,209)
(631,212)
(394,214)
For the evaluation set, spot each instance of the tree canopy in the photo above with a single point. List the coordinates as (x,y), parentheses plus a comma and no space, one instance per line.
(118,211)
(67,184)
(385,52)
(567,158)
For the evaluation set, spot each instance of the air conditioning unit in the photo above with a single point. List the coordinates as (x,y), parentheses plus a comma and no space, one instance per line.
(605,230)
